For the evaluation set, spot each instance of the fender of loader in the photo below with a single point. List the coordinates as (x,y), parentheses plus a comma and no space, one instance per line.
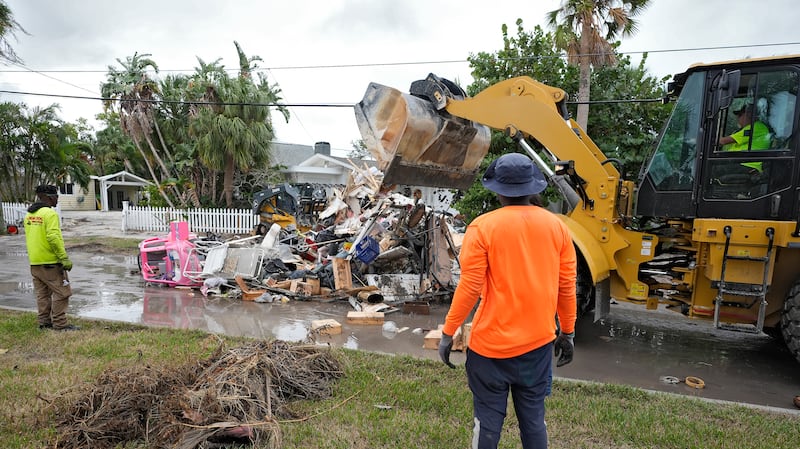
(414,144)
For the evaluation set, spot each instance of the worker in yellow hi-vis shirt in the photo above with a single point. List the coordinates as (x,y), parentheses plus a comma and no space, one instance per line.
(48,259)
(752,135)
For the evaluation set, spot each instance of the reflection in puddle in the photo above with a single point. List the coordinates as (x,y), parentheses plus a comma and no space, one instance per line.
(173,308)
(290,329)
(351,342)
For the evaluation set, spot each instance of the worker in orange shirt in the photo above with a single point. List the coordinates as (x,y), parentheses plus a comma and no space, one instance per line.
(520,260)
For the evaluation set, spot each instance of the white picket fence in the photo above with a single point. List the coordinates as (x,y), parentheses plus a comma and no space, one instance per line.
(157,219)
(14,213)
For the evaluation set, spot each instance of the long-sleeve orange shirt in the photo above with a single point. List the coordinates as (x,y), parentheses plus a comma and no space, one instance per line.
(521,261)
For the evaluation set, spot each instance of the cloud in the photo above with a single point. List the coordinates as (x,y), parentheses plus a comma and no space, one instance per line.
(365,20)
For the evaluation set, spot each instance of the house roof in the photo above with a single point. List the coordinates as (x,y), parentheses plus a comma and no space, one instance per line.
(290,154)
(122,176)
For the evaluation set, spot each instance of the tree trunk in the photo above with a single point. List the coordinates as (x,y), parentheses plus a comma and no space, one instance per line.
(584,91)
(584,79)
(164,169)
(163,144)
(152,172)
(227,183)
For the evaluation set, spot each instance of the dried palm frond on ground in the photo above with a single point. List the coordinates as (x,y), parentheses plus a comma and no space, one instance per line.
(233,396)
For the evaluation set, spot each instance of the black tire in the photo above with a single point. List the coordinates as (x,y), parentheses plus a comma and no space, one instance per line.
(584,288)
(790,320)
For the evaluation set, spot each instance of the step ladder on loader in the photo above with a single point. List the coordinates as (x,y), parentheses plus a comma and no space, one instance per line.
(748,290)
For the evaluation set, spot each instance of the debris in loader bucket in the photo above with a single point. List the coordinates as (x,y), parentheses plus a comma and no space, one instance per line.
(416,144)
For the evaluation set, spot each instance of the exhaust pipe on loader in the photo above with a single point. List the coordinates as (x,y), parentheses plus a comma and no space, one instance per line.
(416,144)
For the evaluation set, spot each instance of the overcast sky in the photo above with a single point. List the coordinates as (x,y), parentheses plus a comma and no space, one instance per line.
(300,40)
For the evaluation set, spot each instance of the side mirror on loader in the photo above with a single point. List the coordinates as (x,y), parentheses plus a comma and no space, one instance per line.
(726,88)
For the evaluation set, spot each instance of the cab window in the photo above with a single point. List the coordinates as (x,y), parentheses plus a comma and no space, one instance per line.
(673,164)
(751,157)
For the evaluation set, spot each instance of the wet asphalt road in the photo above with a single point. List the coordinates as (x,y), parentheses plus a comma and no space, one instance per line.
(633,346)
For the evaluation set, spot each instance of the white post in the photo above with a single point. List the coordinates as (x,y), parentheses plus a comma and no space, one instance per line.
(125,216)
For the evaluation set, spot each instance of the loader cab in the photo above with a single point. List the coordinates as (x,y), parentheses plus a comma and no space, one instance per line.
(693,174)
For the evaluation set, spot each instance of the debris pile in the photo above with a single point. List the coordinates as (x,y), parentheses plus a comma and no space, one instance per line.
(367,236)
(233,397)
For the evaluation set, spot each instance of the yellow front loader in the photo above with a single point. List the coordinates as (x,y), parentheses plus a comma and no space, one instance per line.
(722,240)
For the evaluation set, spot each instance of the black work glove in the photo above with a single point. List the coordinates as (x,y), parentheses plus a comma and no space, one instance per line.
(445,346)
(563,348)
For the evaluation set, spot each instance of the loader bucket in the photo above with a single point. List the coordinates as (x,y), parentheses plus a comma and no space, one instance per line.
(415,144)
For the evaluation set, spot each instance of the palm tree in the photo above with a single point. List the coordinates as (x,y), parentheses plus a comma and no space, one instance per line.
(8,27)
(585,29)
(134,89)
(237,134)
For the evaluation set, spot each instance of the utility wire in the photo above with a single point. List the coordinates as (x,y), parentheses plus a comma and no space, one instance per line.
(199,103)
(276,105)
(451,61)
(44,74)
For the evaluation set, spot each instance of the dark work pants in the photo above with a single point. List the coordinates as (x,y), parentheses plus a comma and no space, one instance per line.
(527,378)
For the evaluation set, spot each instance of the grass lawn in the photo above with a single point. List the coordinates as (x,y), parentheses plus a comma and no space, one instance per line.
(382,401)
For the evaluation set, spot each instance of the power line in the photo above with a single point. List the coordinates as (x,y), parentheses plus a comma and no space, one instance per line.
(405,63)
(42,73)
(199,103)
(275,105)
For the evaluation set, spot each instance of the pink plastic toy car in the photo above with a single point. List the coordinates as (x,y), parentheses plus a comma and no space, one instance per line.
(168,259)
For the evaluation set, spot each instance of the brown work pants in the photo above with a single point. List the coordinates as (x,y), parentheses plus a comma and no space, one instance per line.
(52,296)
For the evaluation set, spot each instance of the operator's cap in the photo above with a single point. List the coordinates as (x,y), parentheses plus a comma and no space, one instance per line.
(47,189)
(744,106)
(514,175)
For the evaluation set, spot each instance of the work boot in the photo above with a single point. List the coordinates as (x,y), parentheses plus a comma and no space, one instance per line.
(69,327)
(45,326)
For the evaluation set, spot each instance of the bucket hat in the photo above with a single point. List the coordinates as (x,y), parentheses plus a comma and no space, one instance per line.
(514,175)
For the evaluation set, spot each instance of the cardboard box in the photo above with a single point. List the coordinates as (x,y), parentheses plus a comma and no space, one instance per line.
(326,327)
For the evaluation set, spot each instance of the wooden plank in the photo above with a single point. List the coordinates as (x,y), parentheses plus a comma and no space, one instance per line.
(304,289)
(418,307)
(458,340)
(342,277)
(365,317)
(326,327)
(314,283)
(282,284)
(247,294)
(432,339)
